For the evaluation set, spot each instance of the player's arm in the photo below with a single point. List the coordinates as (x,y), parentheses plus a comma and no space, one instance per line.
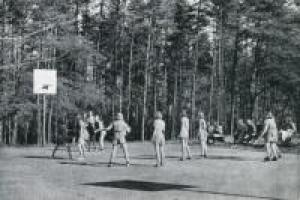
(265,129)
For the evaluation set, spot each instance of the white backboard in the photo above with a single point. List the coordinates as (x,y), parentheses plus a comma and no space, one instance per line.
(44,81)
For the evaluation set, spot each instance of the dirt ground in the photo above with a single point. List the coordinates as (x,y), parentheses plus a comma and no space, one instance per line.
(228,173)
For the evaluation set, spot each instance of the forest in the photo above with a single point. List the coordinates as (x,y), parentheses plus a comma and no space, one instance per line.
(229,59)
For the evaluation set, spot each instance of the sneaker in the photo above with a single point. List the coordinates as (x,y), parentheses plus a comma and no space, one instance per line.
(266,159)
(110,164)
(274,159)
(156,165)
(127,164)
(189,158)
(181,159)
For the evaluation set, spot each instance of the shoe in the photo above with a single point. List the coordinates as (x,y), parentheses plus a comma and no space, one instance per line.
(266,159)
(110,165)
(156,165)
(205,156)
(162,164)
(127,164)
(181,159)
(189,158)
(274,159)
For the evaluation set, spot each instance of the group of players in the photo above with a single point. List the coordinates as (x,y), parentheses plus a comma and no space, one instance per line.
(91,125)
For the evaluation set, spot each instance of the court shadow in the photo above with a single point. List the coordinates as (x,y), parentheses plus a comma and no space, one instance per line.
(143,157)
(139,185)
(233,158)
(100,164)
(45,157)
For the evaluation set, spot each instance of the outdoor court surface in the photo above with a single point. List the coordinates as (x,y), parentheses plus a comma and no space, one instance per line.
(28,173)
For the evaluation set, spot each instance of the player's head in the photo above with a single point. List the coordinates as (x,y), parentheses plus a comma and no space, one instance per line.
(119,116)
(269,115)
(249,121)
(183,113)
(201,114)
(97,117)
(158,115)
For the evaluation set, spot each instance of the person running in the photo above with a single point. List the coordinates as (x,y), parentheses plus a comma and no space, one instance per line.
(270,134)
(62,138)
(120,129)
(83,136)
(91,129)
(99,126)
(184,135)
(158,139)
(203,135)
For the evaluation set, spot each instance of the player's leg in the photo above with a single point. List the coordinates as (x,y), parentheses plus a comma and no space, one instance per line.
(126,154)
(69,151)
(274,150)
(157,153)
(54,150)
(162,154)
(183,148)
(113,153)
(189,156)
(269,152)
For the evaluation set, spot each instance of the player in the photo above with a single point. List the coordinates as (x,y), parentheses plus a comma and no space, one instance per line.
(83,136)
(62,138)
(99,126)
(120,129)
(91,129)
(158,139)
(270,134)
(203,135)
(184,135)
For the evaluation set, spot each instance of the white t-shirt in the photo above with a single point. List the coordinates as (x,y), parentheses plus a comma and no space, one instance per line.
(184,131)
(159,127)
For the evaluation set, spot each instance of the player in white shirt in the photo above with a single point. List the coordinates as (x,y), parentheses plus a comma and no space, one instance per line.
(83,136)
(203,135)
(120,129)
(158,139)
(184,135)
(99,126)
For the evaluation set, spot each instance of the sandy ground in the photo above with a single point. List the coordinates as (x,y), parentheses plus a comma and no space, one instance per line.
(29,174)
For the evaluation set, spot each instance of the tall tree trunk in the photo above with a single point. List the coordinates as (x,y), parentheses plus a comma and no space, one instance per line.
(146,85)
(1,132)
(50,121)
(174,113)
(233,77)
(129,77)
(15,130)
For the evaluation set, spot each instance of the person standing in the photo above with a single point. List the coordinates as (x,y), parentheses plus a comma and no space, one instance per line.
(203,135)
(63,139)
(99,126)
(83,135)
(270,134)
(184,135)
(91,129)
(120,129)
(158,139)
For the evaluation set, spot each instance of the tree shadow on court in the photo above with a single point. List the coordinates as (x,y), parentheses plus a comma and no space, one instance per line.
(139,185)
(232,158)
(148,186)
(46,157)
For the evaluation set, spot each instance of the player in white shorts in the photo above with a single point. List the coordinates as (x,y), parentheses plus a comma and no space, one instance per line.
(120,129)
(83,136)
(203,135)
(99,128)
(184,135)
(158,139)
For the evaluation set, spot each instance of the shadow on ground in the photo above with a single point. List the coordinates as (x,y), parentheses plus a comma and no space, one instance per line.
(158,186)
(45,157)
